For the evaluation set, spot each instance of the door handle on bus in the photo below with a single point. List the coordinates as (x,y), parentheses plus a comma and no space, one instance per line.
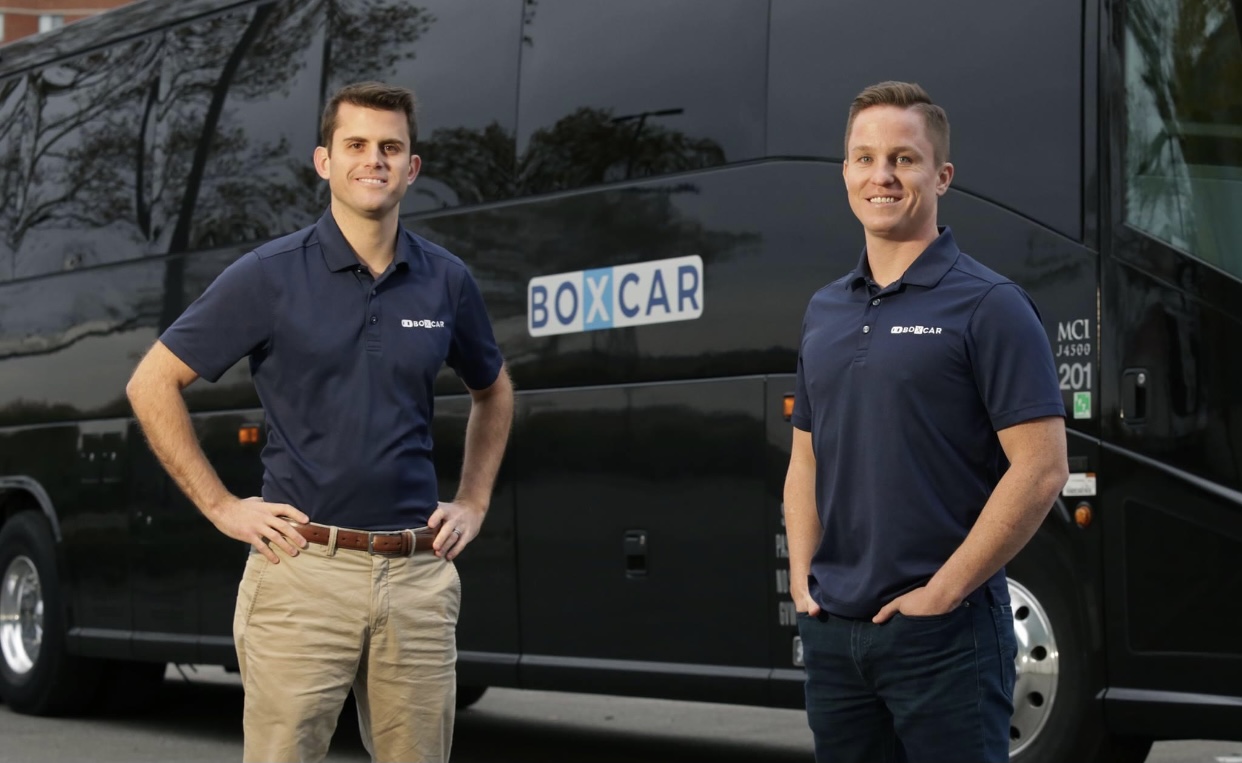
(1134,395)
(635,553)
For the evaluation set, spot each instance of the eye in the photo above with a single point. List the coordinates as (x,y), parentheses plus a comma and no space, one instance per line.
(904,160)
(392,148)
(864,159)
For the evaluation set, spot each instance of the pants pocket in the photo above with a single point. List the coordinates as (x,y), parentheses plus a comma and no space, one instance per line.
(1007,645)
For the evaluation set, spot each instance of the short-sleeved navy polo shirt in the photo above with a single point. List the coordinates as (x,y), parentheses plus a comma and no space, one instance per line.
(344,365)
(903,390)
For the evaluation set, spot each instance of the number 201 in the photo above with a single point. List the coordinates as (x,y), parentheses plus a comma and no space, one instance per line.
(1075,375)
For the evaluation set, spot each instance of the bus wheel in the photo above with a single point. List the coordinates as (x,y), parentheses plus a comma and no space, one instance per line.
(468,695)
(1056,714)
(37,675)
(1039,669)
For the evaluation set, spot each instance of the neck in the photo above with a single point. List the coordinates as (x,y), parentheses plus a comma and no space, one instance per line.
(889,259)
(374,241)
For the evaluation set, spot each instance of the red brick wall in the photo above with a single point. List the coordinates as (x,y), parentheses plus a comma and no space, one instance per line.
(62,6)
(19,26)
(21,17)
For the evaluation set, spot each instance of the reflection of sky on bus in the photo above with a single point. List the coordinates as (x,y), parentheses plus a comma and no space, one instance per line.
(67,332)
(705,57)
(79,335)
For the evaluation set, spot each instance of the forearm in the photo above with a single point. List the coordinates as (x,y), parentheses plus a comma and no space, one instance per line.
(161,412)
(487,433)
(802,532)
(802,528)
(1011,516)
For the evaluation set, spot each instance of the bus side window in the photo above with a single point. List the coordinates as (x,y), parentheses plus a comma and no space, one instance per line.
(12,126)
(1183,160)
(72,160)
(598,106)
(824,53)
(461,61)
(256,180)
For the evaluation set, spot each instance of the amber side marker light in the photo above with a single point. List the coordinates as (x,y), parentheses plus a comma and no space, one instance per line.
(248,435)
(789,401)
(1082,515)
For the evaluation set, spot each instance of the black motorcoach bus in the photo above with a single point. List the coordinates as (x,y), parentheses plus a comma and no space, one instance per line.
(649,192)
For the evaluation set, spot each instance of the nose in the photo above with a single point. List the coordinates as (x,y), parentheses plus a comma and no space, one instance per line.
(882,172)
(376,156)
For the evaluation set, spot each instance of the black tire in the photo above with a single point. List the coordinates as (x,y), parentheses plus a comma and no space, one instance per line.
(1073,726)
(37,675)
(468,695)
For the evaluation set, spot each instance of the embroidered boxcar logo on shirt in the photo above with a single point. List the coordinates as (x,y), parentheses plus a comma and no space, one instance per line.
(916,330)
(421,324)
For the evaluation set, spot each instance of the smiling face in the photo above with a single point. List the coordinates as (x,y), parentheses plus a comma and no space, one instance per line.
(891,174)
(369,165)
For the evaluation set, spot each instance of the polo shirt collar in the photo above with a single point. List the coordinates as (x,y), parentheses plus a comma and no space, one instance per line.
(926,270)
(338,255)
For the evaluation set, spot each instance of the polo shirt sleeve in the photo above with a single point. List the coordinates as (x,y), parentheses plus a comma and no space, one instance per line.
(473,353)
(231,319)
(1011,358)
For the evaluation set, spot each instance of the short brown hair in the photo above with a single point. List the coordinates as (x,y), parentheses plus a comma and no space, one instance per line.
(907,95)
(369,95)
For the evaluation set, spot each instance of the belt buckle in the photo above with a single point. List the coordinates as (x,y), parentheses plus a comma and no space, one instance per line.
(371,542)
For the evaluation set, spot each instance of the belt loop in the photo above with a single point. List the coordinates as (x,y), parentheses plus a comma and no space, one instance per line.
(332,541)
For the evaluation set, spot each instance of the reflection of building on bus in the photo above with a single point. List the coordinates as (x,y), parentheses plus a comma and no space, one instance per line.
(23,18)
(648,192)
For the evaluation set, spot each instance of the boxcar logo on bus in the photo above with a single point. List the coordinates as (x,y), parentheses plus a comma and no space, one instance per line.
(659,291)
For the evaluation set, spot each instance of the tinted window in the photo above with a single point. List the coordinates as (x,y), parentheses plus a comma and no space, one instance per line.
(14,131)
(239,102)
(72,192)
(615,90)
(1008,74)
(461,61)
(1184,126)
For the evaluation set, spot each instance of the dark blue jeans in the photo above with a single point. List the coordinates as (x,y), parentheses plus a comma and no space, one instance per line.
(913,690)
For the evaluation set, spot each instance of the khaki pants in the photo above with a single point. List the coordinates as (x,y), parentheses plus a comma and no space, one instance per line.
(311,627)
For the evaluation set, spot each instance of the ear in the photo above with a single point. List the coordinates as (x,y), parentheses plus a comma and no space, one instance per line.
(944,179)
(845,166)
(416,163)
(321,161)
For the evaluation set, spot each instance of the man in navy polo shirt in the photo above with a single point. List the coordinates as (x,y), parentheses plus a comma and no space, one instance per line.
(920,374)
(346,325)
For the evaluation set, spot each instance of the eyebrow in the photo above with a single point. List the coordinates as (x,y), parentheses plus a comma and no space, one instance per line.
(360,139)
(896,149)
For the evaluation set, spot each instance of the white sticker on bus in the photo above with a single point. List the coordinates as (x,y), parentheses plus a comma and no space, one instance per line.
(660,291)
(1080,484)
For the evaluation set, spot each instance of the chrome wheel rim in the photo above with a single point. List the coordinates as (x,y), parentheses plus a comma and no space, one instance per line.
(21,615)
(1039,667)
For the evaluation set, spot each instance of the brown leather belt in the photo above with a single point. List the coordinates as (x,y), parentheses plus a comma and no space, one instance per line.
(394,543)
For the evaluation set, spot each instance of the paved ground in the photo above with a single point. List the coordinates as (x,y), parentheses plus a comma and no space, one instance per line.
(201,722)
